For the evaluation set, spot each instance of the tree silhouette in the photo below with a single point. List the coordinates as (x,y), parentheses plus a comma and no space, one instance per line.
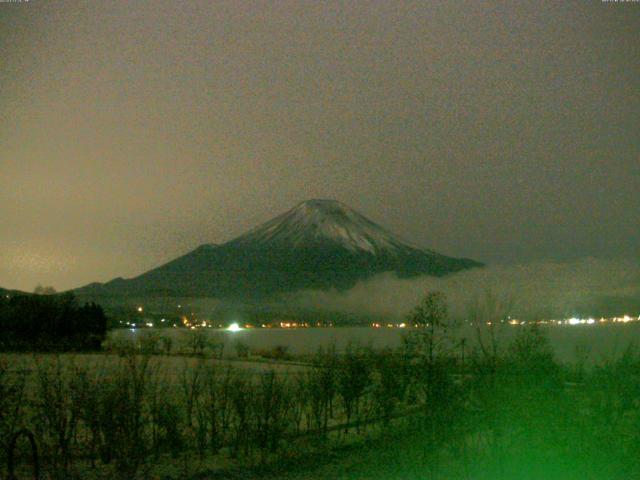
(40,290)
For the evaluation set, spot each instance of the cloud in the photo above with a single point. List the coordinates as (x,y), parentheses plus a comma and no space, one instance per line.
(546,289)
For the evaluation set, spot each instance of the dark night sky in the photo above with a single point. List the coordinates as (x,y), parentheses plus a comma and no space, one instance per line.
(134,131)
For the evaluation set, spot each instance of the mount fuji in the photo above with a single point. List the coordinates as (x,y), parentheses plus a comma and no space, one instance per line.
(319,244)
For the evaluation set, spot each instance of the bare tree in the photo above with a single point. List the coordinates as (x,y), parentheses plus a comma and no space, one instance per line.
(488,315)
(353,378)
(430,345)
(431,316)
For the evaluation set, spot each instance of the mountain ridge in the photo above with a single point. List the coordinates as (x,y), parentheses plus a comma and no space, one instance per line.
(318,244)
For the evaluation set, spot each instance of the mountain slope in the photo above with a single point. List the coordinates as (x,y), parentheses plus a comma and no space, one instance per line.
(321,222)
(318,244)
(6,293)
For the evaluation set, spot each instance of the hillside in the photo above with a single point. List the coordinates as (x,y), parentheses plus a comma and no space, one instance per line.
(319,244)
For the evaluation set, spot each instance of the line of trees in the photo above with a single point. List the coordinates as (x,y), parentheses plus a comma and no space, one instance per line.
(120,417)
(50,322)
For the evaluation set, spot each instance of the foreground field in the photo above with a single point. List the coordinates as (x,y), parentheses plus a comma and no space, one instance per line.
(507,410)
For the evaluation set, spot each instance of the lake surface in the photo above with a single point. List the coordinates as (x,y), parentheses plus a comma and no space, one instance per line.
(602,341)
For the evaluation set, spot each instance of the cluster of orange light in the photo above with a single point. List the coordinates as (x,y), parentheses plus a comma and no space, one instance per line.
(293,325)
(390,325)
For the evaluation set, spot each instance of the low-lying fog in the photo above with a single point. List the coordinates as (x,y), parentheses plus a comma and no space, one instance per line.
(534,291)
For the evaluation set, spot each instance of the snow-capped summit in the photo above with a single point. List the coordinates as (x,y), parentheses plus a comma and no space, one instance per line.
(319,244)
(315,222)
